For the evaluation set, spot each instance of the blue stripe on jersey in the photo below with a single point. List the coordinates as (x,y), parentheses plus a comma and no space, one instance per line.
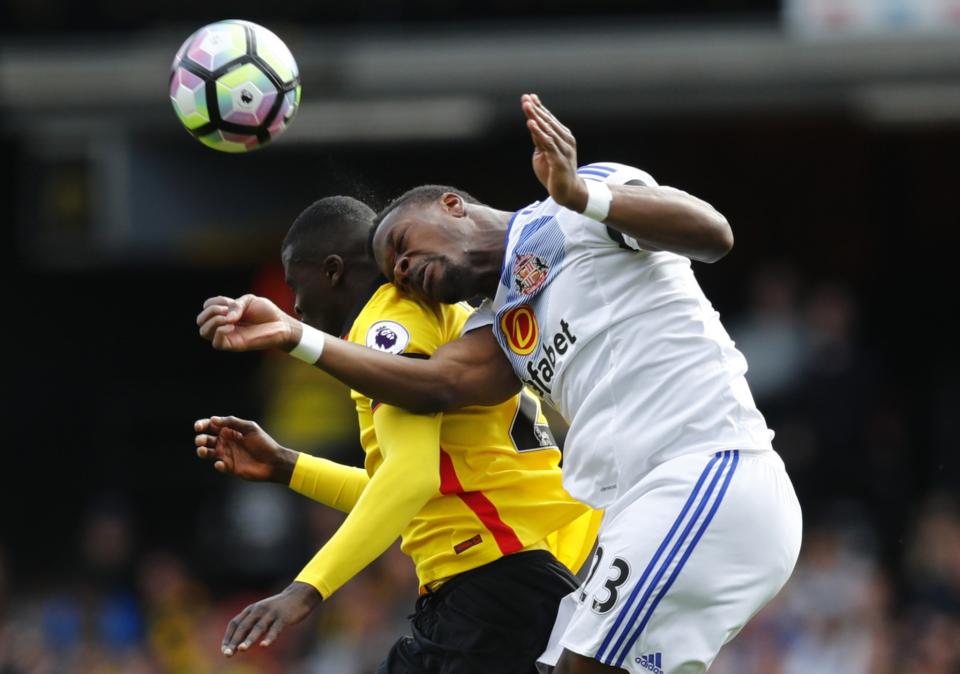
(600,167)
(506,236)
(689,550)
(653,562)
(591,172)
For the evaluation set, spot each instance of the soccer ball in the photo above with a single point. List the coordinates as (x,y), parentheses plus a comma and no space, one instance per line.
(234,85)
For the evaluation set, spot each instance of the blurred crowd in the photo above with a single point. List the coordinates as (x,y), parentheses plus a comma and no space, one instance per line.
(153,614)
(876,590)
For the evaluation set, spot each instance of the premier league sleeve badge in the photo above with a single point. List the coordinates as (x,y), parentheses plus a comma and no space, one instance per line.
(388,336)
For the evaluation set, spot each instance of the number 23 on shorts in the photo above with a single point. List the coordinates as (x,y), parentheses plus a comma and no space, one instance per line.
(605,598)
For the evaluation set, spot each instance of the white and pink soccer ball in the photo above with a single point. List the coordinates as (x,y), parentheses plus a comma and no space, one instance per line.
(234,85)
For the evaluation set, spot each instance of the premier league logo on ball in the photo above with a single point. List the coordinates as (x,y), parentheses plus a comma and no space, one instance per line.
(388,336)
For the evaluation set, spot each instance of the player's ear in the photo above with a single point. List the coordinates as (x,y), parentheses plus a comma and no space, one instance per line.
(333,269)
(453,204)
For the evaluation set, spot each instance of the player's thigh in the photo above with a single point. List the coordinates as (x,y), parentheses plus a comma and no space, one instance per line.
(500,621)
(682,568)
(573,663)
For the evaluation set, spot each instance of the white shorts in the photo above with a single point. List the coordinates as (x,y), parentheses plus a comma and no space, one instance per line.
(704,542)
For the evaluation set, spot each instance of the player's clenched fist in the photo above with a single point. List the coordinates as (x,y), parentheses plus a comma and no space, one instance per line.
(248,323)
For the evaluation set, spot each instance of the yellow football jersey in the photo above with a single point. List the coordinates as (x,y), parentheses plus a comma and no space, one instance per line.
(500,481)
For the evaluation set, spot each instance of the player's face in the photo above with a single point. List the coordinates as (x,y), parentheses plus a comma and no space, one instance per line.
(423,250)
(310,291)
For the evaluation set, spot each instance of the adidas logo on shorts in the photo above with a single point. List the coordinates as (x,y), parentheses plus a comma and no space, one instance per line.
(651,662)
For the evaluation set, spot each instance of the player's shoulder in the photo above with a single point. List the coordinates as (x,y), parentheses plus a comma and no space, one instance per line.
(395,322)
(615,173)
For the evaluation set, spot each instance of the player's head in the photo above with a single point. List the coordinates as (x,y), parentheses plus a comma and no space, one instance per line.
(325,261)
(422,243)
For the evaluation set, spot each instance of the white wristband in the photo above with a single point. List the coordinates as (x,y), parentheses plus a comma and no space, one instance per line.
(599,198)
(310,346)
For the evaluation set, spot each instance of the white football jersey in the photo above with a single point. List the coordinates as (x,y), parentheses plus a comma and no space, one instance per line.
(622,341)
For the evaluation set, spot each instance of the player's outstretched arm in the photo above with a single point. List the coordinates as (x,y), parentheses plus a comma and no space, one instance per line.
(471,370)
(240,447)
(659,218)
(408,477)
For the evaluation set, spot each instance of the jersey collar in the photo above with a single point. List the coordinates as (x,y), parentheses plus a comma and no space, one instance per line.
(361,303)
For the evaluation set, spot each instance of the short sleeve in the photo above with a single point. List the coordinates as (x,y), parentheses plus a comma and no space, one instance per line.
(613,173)
(482,317)
(394,323)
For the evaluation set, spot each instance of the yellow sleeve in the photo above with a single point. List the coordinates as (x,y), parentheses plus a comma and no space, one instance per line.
(329,483)
(408,477)
(574,542)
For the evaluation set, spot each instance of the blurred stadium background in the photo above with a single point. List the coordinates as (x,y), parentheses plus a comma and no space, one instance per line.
(828,131)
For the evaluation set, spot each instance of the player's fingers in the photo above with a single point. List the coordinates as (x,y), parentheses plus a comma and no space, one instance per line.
(209,327)
(257,630)
(563,140)
(555,123)
(219,299)
(543,140)
(527,105)
(544,108)
(221,338)
(210,312)
(238,306)
(203,440)
(232,627)
(545,111)
(273,632)
(207,427)
(206,453)
(242,628)
(235,423)
(219,462)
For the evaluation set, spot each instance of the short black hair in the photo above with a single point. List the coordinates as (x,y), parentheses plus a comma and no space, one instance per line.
(418,195)
(335,224)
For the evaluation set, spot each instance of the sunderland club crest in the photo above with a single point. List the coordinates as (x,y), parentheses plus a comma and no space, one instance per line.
(529,273)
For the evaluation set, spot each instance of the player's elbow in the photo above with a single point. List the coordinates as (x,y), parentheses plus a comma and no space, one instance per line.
(423,482)
(444,395)
(439,399)
(719,239)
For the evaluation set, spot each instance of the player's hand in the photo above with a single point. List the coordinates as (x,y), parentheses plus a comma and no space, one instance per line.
(239,447)
(248,323)
(554,155)
(265,620)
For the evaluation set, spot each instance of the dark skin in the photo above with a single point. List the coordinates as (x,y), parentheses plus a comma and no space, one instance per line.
(324,293)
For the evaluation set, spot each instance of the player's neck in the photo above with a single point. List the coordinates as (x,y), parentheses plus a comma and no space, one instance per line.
(358,284)
(488,245)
